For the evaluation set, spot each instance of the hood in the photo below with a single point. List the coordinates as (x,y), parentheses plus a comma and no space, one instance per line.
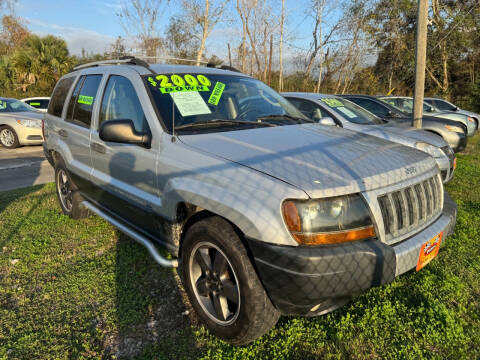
(24,115)
(407,131)
(320,160)
(469,113)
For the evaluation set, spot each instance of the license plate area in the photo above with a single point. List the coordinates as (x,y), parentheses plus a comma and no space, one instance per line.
(429,251)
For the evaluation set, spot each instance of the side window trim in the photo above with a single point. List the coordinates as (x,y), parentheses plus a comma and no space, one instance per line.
(80,81)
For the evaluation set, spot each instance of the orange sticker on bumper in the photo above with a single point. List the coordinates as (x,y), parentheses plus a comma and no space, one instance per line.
(429,250)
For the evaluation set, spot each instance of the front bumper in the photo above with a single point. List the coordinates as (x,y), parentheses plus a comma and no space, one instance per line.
(457,141)
(28,136)
(315,280)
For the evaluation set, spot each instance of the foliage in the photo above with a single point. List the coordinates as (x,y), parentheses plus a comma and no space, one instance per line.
(80,289)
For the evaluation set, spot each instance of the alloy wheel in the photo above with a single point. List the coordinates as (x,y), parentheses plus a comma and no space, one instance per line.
(64,190)
(7,137)
(215,283)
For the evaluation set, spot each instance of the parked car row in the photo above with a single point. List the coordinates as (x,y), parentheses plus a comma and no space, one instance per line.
(265,208)
(338,111)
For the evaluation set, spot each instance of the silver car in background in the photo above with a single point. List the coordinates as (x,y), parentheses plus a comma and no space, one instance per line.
(20,124)
(334,110)
(405,103)
(444,105)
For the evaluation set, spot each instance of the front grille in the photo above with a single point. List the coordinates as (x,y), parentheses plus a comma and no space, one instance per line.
(410,209)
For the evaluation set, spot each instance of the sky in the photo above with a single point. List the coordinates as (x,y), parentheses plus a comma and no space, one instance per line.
(93,24)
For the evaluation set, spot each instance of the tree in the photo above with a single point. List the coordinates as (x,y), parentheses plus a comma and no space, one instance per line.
(203,16)
(140,19)
(40,63)
(280,48)
(258,24)
(180,40)
(13,34)
(321,10)
(117,49)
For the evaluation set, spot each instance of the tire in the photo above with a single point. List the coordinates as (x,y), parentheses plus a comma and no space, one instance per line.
(217,283)
(67,193)
(8,137)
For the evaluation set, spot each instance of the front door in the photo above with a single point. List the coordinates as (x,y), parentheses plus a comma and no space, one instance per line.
(124,175)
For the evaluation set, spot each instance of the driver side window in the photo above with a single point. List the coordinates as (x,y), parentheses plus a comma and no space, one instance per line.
(311,110)
(120,101)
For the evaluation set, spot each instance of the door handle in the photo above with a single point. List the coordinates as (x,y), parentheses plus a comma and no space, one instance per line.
(98,148)
(63,133)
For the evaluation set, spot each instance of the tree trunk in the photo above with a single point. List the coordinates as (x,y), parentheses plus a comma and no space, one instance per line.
(204,33)
(280,48)
(244,37)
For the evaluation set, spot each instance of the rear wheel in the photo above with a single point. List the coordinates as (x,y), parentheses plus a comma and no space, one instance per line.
(8,137)
(67,193)
(222,284)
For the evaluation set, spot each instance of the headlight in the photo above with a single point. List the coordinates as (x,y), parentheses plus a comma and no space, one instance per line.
(429,149)
(328,221)
(30,123)
(454,129)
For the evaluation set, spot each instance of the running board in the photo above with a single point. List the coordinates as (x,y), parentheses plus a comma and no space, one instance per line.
(133,234)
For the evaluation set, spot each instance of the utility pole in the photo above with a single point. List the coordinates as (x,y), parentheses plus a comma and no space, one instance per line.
(420,59)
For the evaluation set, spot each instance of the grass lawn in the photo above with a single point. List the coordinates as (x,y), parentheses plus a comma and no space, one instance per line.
(79,289)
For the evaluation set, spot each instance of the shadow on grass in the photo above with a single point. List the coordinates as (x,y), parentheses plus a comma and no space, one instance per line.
(8,197)
(150,308)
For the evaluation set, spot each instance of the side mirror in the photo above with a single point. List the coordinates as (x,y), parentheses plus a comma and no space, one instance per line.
(327,120)
(123,131)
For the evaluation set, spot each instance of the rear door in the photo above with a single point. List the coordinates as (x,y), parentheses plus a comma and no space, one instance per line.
(124,175)
(74,130)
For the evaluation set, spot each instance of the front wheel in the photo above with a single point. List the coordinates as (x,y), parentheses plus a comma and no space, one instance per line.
(8,137)
(222,284)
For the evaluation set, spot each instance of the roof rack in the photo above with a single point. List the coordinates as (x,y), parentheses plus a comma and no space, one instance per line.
(132,60)
(125,60)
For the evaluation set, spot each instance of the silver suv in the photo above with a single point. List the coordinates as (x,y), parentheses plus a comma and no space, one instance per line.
(265,212)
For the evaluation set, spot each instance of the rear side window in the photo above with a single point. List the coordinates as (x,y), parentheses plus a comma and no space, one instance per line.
(59,96)
(120,101)
(83,99)
(39,104)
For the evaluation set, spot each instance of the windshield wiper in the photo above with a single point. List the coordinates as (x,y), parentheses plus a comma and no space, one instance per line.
(284,117)
(221,122)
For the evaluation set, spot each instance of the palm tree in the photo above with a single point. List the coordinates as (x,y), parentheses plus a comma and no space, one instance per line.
(41,62)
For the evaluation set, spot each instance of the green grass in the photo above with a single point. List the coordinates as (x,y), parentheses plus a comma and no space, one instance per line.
(79,289)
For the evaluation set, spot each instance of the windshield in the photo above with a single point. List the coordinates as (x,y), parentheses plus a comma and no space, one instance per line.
(12,105)
(405,104)
(350,111)
(191,99)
